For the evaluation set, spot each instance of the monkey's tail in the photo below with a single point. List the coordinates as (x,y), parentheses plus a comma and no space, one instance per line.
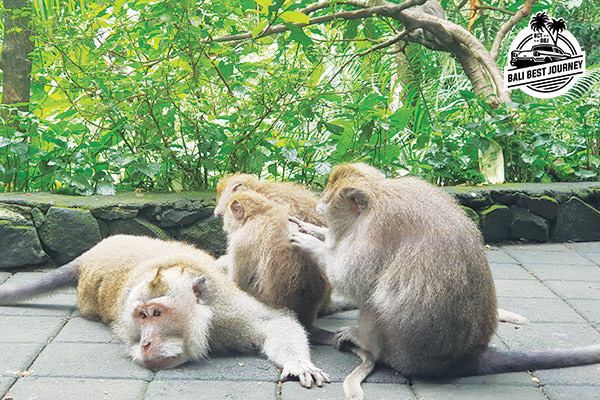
(64,276)
(496,362)
(352,383)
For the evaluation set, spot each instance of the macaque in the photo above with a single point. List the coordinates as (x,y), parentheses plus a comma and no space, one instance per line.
(415,265)
(301,202)
(265,264)
(169,303)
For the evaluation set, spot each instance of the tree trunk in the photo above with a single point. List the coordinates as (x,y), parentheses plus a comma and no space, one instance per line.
(15,63)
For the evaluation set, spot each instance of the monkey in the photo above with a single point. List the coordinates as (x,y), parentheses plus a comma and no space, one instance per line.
(169,303)
(265,264)
(415,265)
(300,200)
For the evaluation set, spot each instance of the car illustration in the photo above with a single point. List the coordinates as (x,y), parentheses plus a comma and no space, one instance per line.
(540,53)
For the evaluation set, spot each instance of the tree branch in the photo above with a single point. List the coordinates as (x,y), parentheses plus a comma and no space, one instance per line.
(508,25)
(388,10)
(499,9)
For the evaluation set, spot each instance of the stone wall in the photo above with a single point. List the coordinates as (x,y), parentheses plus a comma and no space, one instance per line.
(42,228)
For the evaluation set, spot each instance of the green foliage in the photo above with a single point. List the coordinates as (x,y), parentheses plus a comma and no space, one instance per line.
(135,94)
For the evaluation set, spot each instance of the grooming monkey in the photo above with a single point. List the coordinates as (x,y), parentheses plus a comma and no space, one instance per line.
(265,264)
(299,199)
(415,265)
(169,303)
(301,203)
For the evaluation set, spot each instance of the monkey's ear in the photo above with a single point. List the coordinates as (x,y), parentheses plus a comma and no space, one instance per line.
(237,187)
(237,209)
(359,201)
(201,288)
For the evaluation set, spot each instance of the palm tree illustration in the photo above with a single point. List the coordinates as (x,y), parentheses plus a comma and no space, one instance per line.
(540,22)
(557,26)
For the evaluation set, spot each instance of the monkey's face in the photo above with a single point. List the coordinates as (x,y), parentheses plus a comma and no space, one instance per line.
(165,331)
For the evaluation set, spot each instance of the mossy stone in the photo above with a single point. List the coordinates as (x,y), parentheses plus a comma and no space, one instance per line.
(529,226)
(495,223)
(68,232)
(544,206)
(20,246)
(471,214)
(138,227)
(207,235)
(578,221)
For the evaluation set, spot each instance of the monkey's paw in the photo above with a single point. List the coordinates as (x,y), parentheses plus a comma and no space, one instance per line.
(306,242)
(346,336)
(306,373)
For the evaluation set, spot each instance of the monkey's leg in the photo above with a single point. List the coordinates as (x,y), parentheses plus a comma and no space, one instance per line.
(315,248)
(511,317)
(225,263)
(287,346)
(319,232)
(352,383)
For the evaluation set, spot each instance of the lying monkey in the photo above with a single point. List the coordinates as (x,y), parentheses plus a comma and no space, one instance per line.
(415,265)
(169,303)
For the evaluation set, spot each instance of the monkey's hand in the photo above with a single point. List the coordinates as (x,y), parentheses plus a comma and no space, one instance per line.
(312,246)
(307,373)
(319,232)
(345,337)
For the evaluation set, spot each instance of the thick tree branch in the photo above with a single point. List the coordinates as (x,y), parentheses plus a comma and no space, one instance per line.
(508,25)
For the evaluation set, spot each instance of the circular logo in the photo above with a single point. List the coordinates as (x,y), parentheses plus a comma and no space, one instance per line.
(545,59)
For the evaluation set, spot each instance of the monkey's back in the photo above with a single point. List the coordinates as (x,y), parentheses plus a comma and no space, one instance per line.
(438,291)
(107,268)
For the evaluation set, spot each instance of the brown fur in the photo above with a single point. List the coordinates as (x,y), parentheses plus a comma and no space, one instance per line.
(301,202)
(264,262)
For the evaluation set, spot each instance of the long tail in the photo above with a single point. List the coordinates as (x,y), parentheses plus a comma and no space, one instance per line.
(352,383)
(64,276)
(511,317)
(496,362)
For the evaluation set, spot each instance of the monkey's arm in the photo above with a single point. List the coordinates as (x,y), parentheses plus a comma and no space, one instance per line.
(286,344)
(320,232)
(315,248)
(225,262)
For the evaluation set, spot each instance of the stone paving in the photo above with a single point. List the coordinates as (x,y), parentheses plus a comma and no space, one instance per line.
(47,351)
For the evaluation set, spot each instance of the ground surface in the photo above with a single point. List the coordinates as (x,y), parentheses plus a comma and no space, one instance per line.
(62,356)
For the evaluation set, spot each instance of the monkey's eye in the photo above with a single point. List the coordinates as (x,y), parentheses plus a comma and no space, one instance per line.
(142,314)
(156,313)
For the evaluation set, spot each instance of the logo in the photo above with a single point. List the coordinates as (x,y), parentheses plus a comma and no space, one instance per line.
(545,59)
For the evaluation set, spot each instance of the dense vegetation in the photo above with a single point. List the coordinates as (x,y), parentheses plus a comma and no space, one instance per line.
(139,94)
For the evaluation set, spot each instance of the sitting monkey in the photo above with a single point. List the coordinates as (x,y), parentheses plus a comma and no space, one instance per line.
(169,303)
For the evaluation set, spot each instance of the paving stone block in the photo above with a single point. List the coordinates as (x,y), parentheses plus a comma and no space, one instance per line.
(225,368)
(14,329)
(511,379)
(585,375)
(5,383)
(585,247)
(548,336)
(576,289)
(87,360)
(335,391)
(429,391)
(337,364)
(85,331)
(590,309)
(593,257)
(541,310)
(17,356)
(79,389)
(522,288)
(499,256)
(557,392)
(549,257)
(334,324)
(213,390)
(4,276)
(565,272)
(510,271)
(55,305)
(536,247)
(351,314)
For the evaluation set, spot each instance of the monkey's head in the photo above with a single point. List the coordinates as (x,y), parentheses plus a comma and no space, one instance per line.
(245,205)
(166,316)
(347,194)
(229,185)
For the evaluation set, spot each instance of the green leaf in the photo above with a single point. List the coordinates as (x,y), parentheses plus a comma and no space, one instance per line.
(258,29)
(264,3)
(585,174)
(291,155)
(226,69)
(105,189)
(298,35)
(149,170)
(295,16)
